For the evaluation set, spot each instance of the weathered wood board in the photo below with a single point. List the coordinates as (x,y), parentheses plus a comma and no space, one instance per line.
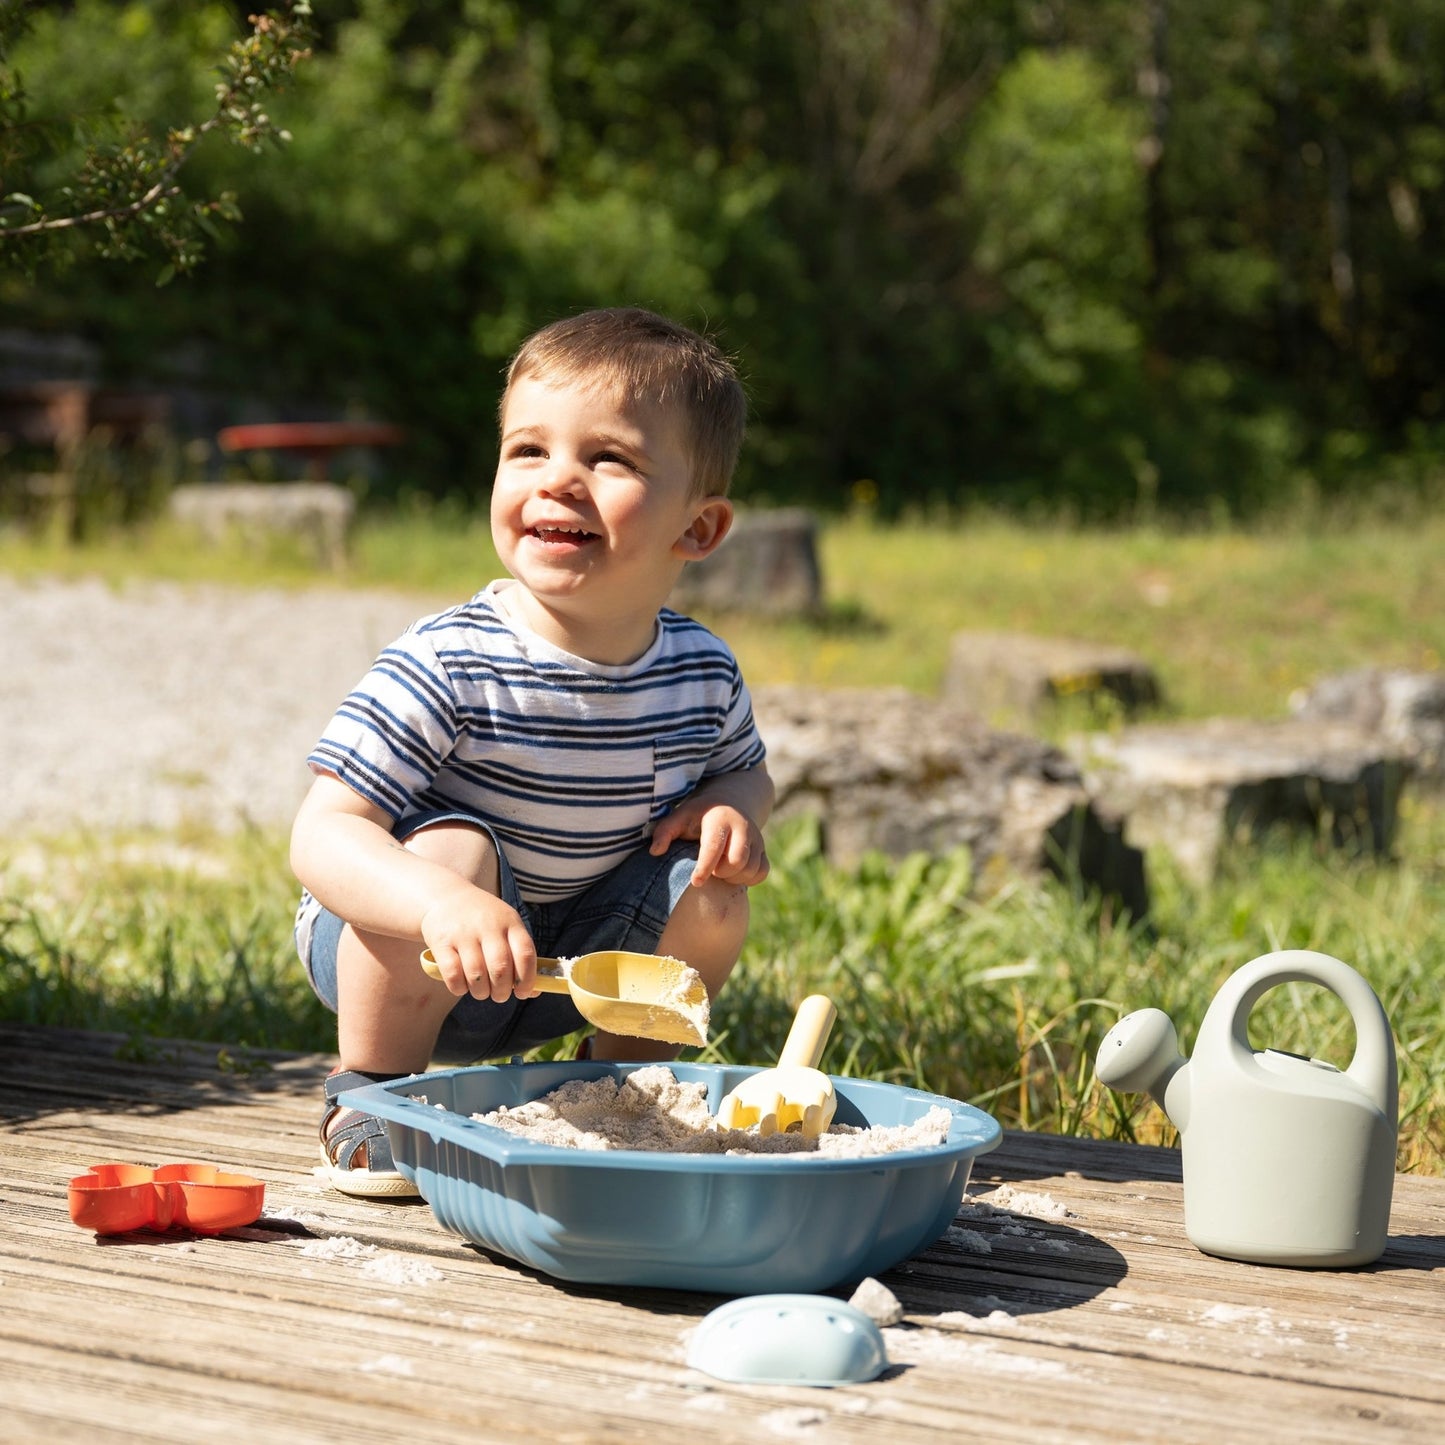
(1064,1304)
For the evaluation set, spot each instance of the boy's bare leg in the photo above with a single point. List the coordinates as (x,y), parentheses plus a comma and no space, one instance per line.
(707,930)
(389,1011)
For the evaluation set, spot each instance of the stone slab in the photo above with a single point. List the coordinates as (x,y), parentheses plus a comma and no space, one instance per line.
(888,770)
(1018,675)
(767,565)
(318,513)
(1404,708)
(1195,789)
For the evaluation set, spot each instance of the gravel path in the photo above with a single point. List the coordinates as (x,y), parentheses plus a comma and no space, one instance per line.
(155,704)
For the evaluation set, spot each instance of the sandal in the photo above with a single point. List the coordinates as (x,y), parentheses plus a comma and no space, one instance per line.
(355,1151)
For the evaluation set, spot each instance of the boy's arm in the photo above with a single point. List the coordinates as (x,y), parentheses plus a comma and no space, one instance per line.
(725,815)
(342,850)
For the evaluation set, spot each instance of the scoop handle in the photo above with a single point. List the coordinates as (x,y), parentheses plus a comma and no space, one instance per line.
(808,1036)
(550,978)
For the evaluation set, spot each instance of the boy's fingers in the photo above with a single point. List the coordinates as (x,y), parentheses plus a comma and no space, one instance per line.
(747,860)
(712,849)
(753,874)
(498,981)
(452,971)
(472,966)
(524,965)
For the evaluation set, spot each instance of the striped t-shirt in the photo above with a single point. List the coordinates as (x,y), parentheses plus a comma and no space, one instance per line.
(571,761)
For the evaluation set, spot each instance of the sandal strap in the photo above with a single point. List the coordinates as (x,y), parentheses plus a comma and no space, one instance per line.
(343,1079)
(361,1131)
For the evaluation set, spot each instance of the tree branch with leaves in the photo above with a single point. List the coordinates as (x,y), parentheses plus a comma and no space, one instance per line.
(126,195)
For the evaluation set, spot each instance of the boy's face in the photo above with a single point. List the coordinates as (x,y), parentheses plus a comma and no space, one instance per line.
(593,512)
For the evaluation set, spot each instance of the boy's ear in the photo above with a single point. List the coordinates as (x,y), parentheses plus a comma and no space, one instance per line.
(712,523)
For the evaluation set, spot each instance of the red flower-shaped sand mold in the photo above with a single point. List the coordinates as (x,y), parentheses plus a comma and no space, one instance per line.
(118,1198)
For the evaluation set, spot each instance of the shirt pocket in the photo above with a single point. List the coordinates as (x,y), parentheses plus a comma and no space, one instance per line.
(679,761)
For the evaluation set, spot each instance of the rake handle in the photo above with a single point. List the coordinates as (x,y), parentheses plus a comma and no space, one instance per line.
(808,1036)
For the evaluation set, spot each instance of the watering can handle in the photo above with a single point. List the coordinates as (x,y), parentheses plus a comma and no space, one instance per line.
(1372,1068)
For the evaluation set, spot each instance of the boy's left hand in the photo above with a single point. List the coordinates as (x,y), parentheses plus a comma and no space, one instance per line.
(730,843)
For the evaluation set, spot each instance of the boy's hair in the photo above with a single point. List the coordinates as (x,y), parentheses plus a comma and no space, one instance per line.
(646,357)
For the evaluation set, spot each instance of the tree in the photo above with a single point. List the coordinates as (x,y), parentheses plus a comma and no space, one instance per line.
(1105,253)
(122,190)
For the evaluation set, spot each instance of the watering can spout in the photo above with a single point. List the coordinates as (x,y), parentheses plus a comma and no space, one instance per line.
(1141,1052)
(1173,1096)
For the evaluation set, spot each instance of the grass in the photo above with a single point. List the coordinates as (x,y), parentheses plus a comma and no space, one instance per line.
(151,935)
(1002,1000)
(1231,619)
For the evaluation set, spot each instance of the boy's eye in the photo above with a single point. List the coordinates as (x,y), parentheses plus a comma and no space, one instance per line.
(616,458)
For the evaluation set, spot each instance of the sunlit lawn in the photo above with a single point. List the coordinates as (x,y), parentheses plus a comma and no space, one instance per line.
(1231,620)
(1001,1000)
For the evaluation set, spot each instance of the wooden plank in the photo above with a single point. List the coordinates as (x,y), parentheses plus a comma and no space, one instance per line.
(1064,1303)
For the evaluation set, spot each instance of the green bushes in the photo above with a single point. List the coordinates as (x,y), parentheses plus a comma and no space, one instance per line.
(963,252)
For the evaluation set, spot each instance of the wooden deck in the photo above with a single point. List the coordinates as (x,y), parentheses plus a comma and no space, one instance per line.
(1073,1310)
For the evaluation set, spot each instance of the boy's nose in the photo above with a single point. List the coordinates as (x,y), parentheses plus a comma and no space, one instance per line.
(562,476)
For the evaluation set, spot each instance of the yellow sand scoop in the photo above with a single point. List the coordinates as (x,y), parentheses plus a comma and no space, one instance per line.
(796,1091)
(642,995)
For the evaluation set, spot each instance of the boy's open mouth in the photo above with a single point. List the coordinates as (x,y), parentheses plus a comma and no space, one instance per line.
(557,536)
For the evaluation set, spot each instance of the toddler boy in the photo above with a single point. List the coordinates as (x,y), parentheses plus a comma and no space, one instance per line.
(557,766)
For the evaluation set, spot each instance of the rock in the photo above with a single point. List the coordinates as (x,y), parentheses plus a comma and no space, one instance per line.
(318,513)
(877,1301)
(1015,675)
(767,564)
(1193,788)
(891,771)
(1406,710)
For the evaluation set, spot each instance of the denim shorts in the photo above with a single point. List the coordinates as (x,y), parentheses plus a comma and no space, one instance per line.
(627,909)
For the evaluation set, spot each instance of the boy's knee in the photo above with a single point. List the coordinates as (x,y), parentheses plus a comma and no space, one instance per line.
(719,909)
(460,847)
(727,900)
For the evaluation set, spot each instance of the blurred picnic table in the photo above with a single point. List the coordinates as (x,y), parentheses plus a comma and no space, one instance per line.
(320,442)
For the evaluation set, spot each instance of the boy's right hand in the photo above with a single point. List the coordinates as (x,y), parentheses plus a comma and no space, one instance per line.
(481,946)
(342,849)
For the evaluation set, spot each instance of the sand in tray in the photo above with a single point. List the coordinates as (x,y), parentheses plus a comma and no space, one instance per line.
(652,1109)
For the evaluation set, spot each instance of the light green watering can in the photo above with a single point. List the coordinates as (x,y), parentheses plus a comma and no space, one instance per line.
(1287,1160)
